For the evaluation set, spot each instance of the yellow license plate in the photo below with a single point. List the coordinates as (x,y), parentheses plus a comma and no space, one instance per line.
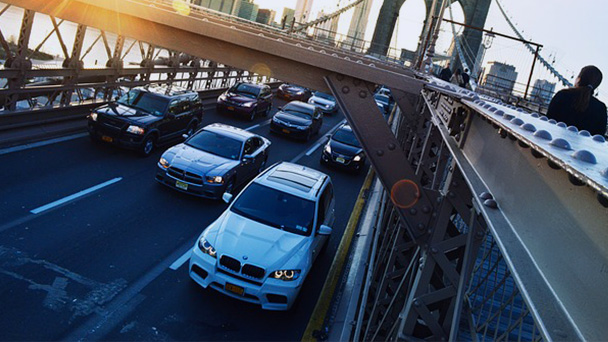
(230,108)
(286,131)
(107,139)
(340,160)
(181,185)
(234,289)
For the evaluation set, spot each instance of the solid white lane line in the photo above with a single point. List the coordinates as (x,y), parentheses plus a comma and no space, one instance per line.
(258,125)
(313,149)
(318,142)
(182,260)
(41,143)
(74,196)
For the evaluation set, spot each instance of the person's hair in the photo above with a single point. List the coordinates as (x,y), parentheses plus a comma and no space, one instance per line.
(466,70)
(458,71)
(588,80)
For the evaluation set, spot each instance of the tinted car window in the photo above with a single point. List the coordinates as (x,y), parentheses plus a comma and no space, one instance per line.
(303,112)
(347,137)
(217,144)
(278,209)
(246,90)
(382,99)
(324,96)
(144,101)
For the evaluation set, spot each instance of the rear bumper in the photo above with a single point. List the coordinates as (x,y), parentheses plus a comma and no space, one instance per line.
(289,131)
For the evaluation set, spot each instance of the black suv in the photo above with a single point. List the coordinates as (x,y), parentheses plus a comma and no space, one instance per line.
(146,117)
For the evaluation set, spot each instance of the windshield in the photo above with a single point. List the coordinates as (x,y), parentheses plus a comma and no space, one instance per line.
(298,111)
(144,101)
(325,96)
(382,99)
(277,209)
(246,90)
(347,137)
(217,144)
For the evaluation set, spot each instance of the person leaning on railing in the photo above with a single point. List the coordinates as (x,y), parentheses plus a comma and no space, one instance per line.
(578,107)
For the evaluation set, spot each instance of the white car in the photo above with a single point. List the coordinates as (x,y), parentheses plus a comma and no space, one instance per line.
(262,247)
(325,102)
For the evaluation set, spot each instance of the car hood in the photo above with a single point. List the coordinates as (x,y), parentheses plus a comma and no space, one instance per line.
(126,113)
(238,98)
(322,101)
(292,119)
(196,161)
(256,243)
(344,149)
(292,90)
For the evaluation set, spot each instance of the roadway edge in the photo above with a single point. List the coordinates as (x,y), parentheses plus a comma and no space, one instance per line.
(319,313)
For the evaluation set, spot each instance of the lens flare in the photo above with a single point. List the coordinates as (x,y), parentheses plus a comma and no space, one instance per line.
(181,7)
(405,193)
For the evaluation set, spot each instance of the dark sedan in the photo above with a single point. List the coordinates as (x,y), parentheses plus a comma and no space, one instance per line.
(216,159)
(297,119)
(343,150)
(293,92)
(246,99)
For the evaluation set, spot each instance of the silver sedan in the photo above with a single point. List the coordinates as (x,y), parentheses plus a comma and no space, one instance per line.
(216,159)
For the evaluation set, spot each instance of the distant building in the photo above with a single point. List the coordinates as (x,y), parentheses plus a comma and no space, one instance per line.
(303,8)
(248,10)
(499,77)
(288,15)
(355,39)
(542,92)
(265,16)
(326,30)
(225,6)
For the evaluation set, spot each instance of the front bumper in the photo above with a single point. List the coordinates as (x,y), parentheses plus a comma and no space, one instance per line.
(289,131)
(114,136)
(342,161)
(271,294)
(223,107)
(189,185)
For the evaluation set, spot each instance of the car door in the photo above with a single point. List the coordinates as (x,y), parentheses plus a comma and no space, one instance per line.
(318,119)
(248,165)
(266,97)
(325,216)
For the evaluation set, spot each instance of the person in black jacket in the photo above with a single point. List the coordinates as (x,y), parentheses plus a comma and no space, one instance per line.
(446,73)
(578,107)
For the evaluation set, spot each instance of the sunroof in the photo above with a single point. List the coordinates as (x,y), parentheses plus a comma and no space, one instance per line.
(293,179)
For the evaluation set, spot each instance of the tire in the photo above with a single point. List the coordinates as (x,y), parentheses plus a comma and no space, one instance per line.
(191,128)
(148,146)
(262,165)
(252,116)
(267,111)
(229,186)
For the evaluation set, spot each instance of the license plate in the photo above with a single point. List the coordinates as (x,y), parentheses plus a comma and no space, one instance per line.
(107,139)
(181,185)
(286,131)
(230,108)
(340,160)
(234,289)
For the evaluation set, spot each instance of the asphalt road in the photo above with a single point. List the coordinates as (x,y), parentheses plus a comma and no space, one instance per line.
(112,263)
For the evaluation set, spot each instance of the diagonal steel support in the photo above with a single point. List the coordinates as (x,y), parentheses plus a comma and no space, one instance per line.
(355,98)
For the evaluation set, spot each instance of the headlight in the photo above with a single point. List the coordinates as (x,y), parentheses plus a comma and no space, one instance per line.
(328,148)
(328,106)
(135,130)
(93,116)
(215,180)
(302,128)
(357,158)
(222,97)
(248,104)
(206,247)
(163,162)
(286,275)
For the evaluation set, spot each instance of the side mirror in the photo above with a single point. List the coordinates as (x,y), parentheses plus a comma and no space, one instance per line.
(324,230)
(280,108)
(185,136)
(170,115)
(328,136)
(247,158)
(227,197)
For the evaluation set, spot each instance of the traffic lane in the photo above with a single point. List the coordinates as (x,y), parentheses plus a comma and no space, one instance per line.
(107,238)
(38,176)
(176,308)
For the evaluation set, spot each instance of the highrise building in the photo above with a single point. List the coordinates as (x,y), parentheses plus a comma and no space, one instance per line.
(542,92)
(265,16)
(248,10)
(499,77)
(327,30)
(303,13)
(225,6)
(358,25)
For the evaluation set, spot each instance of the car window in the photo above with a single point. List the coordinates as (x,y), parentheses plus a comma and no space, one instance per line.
(246,90)
(278,209)
(324,204)
(249,148)
(299,111)
(347,137)
(324,96)
(145,101)
(257,142)
(217,144)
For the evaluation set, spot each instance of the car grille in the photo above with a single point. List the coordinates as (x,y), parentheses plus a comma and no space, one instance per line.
(253,271)
(184,175)
(119,124)
(230,263)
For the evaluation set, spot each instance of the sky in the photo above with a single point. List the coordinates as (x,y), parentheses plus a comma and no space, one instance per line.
(571,32)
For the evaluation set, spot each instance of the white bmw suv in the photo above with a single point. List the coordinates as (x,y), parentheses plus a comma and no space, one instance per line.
(263,246)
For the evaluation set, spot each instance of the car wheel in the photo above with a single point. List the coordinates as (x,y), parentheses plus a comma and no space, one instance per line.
(148,146)
(252,116)
(191,128)
(267,111)
(262,165)
(230,186)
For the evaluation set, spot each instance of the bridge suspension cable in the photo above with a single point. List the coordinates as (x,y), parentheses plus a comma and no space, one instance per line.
(543,61)
(326,17)
(461,54)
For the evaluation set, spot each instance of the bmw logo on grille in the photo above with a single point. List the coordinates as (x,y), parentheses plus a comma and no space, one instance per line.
(245,257)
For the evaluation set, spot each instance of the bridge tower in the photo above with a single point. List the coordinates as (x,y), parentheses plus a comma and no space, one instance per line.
(475,14)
